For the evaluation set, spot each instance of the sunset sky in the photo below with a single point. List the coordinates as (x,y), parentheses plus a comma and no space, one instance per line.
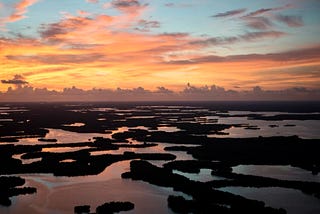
(129,43)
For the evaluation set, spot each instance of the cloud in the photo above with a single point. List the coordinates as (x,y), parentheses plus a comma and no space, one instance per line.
(262,34)
(230,13)
(260,11)
(125,3)
(308,54)
(163,90)
(128,6)
(291,21)
(75,49)
(169,4)
(68,29)
(248,37)
(145,25)
(92,1)
(17,80)
(266,10)
(259,23)
(49,31)
(20,10)
(83,13)
(177,35)
(59,58)
(189,93)
(181,5)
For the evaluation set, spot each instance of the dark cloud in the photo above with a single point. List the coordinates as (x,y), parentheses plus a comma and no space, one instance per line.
(309,54)
(145,25)
(259,23)
(260,11)
(163,90)
(262,34)
(190,92)
(51,31)
(291,21)
(179,35)
(215,41)
(230,13)
(54,32)
(59,59)
(266,10)
(126,4)
(17,80)
(251,36)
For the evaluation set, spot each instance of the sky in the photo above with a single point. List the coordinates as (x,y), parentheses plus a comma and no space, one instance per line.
(159,45)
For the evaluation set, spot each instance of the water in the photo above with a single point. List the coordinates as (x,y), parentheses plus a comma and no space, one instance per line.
(293,201)
(278,172)
(61,194)
(308,129)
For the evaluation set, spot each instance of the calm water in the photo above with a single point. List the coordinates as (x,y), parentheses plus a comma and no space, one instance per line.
(293,201)
(61,194)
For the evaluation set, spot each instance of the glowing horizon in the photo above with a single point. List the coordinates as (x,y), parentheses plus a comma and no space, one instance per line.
(130,43)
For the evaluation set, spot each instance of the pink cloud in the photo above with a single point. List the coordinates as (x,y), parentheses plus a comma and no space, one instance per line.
(19,11)
(92,1)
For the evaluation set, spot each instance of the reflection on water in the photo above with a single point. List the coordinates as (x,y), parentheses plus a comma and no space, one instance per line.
(291,200)
(61,194)
(26,161)
(64,149)
(64,137)
(203,176)
(141,117)
(304,129)
(168,129)
(74,124)
(67,161)
(279,172)
(6,120)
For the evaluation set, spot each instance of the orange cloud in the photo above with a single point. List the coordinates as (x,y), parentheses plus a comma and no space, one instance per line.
(107,52)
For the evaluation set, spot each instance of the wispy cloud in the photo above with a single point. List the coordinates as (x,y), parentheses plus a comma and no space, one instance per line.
(92,1)
(178,5)
(267,10)
(69,28)
(291,21)
(251,36)
(59,58)
(230,13)
(308,54)
(20,9)
(103,48)
(248,37)
(259,23)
